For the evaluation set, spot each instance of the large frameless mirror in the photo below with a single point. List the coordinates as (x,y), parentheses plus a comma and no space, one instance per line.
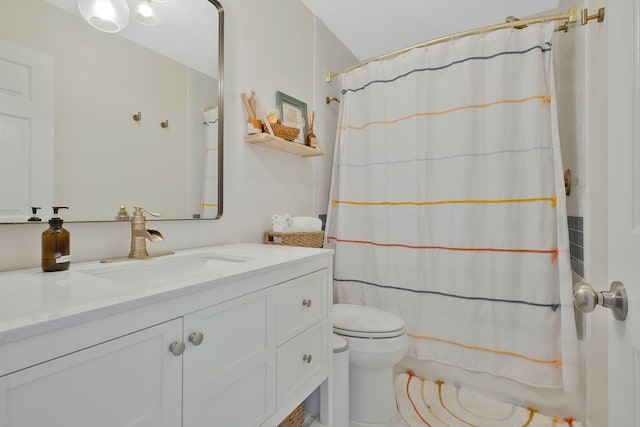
(95,115)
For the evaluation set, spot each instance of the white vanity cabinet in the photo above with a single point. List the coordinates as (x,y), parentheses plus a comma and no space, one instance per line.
(241,353)
(128,381)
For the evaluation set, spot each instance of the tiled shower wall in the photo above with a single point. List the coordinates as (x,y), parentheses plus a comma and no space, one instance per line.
(576,243)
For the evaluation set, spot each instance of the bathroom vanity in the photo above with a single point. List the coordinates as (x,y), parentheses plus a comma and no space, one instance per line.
(231,335)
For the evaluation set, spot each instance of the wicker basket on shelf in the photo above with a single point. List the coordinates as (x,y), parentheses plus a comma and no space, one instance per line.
(309,239)
(282,131)
(295,418)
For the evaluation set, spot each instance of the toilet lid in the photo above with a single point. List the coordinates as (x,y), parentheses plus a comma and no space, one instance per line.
(367,322)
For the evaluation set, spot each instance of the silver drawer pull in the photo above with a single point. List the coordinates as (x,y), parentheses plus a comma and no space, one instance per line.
(306,303)
(176,348)
(196,338)
(307,358)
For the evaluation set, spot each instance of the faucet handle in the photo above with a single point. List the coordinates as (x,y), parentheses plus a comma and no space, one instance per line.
(137,211)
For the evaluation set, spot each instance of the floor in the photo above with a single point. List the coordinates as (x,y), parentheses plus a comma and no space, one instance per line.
(399,422)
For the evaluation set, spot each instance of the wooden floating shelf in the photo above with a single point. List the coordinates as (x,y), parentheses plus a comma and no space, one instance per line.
(276,143)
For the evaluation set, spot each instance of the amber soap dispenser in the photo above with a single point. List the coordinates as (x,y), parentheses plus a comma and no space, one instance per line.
(55,244)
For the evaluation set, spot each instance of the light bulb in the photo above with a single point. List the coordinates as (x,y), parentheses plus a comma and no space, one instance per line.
(110,16)
(147,14)
(105,10)
(145,10)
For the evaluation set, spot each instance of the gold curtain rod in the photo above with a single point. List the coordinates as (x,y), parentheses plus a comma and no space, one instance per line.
(569,17)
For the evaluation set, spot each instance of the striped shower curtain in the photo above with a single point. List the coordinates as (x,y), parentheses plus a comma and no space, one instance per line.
(448,209)
(209,204)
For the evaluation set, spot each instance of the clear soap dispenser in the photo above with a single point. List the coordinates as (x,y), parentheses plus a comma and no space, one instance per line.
(55,244)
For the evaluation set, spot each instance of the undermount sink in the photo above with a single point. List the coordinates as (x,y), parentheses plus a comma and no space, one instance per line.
(163,269)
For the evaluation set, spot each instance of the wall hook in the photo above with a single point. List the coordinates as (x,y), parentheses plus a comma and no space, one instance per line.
(567,182)
(164,124)
(328,100)
(586,17)
(137,117)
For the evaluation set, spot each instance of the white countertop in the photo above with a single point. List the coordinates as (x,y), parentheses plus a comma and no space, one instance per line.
(33,302)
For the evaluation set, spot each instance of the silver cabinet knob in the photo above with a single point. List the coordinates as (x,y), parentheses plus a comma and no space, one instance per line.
(177,348)
(196,338)
(585,299)
(306,303)
(307,358)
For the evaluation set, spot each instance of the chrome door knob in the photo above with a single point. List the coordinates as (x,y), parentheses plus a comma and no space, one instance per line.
(585,299)
(306,303)
(176,348)
(196,338)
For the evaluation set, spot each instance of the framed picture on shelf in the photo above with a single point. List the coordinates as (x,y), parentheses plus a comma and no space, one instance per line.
(293,113)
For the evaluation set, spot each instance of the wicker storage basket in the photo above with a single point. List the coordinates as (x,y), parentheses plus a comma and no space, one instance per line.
(309,239)
(295,418)
(282,131)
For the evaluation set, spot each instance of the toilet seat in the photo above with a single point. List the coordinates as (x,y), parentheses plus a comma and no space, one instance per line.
(360,321)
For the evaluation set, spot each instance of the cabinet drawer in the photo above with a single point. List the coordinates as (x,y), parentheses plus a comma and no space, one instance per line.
(302,364)
(301,303)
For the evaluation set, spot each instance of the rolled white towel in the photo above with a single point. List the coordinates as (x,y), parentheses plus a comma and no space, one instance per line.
(305,223)
(281,223)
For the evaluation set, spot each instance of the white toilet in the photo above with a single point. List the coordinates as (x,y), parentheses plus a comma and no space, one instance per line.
(376,343)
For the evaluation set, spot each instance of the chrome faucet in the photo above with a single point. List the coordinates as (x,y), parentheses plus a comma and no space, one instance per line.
(139,237)
(140,234)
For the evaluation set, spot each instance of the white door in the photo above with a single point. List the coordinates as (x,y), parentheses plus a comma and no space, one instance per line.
(624,208)
(26,132)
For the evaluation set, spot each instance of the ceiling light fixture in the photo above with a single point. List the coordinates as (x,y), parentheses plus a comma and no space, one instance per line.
(146,14)
(110,16)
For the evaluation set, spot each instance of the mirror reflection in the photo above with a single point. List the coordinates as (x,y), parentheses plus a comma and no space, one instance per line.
(95,120)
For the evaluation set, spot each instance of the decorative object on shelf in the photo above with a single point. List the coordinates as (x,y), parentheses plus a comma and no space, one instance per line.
(282,131)
(269,133)
(254,125)
(293,113)
(311,137)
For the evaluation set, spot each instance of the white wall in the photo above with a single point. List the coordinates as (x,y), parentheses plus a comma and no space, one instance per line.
(569,67)
(269,47)
(331,55)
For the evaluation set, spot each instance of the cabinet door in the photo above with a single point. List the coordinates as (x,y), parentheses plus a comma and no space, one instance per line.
(131,381)
(229,378)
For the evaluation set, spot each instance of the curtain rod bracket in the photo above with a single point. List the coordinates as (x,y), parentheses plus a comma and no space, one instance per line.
(586,17)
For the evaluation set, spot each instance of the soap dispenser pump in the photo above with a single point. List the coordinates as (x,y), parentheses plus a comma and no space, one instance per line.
(55,244)
(34,214)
